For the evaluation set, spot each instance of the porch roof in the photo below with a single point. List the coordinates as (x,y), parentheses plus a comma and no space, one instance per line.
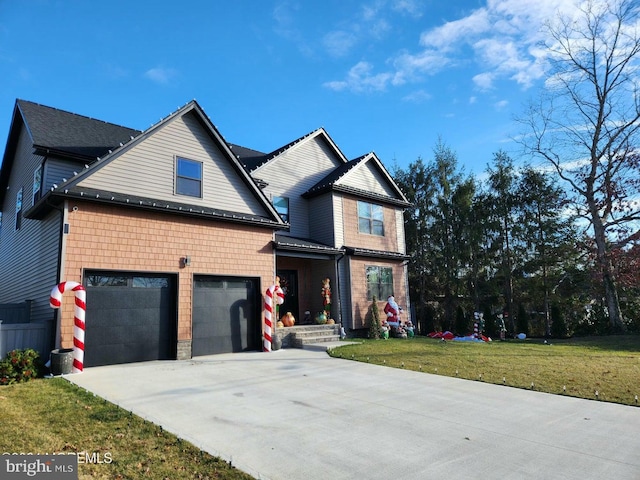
(365,252)
(287,243)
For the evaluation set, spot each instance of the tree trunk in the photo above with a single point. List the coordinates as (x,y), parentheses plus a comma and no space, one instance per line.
(608,277)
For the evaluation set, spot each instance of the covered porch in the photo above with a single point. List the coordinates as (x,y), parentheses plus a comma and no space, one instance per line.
(302,266)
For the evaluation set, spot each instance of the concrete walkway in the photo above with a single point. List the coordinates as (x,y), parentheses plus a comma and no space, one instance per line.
(300,414)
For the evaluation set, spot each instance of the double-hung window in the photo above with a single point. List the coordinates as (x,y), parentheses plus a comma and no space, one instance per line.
(188,177)
(370,219)
(379,282)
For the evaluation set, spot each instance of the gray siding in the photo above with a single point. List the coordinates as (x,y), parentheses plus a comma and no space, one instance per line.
(368,178)
(321,219)
(28,257)
(294,172)
(147,169)
(57,171)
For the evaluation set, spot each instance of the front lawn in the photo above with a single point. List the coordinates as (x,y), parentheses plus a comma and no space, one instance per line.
(578,367)
(50,416)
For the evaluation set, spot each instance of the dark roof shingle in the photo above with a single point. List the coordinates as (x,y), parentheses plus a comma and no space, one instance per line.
(70,133)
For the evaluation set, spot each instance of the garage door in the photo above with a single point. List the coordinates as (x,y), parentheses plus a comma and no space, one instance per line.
(131,317)
(226,315)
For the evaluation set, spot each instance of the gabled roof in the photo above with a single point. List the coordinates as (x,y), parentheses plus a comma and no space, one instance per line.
(71,187)
(332,182)
(254,162)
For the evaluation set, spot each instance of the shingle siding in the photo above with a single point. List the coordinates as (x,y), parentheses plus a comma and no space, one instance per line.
(124,239)
(147,169)
(28,264)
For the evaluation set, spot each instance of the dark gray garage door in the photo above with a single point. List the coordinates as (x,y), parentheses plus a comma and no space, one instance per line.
(131,317)
(226,315)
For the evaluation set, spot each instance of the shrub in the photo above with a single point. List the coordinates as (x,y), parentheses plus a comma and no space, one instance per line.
(20,366)
(490,325)
(558,324)
(522,322)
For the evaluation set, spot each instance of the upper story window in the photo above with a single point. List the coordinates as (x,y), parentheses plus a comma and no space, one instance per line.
(19,209)
(370,218)
(37,184)
(188,177)
(281,205)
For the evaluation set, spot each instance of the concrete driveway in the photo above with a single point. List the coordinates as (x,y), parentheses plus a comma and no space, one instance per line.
(300,414)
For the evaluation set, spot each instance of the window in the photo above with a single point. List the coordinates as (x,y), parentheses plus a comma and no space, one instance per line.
(188,177)
(37,184)
(379,282)
(370,219)
(106,281)
(281,205)
(150,282)
(0,222)
(19,209)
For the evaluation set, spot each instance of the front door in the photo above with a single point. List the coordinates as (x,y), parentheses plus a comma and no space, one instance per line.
(289,285)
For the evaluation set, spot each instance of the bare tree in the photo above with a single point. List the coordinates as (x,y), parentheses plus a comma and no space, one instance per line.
(587,125)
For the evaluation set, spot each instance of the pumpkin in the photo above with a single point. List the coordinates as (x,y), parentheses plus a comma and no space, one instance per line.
(288,320)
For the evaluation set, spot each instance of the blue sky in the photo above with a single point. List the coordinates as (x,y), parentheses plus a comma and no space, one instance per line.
(389,76)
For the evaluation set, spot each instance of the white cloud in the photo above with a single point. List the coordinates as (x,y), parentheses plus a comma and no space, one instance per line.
(419,96)
(339,43)
(161,75)
(449,35)
(484,81)
(412,8)
(501,105)
(361,79)
(503,36)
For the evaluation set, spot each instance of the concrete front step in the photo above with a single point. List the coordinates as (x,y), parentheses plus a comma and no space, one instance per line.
(301,335)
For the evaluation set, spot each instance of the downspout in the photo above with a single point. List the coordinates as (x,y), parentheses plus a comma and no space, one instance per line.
(405,266)
(55,341)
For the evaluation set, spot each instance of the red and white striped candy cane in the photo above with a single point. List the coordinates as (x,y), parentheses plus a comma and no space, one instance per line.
(78,318)
(274,292)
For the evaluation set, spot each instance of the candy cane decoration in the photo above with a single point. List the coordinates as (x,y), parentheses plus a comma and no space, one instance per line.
(274,293)
(78,318)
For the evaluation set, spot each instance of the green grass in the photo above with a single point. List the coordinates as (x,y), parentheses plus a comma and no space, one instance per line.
(577,367)
(54,416)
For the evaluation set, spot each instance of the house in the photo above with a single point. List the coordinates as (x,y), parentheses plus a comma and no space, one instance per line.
(176,233)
